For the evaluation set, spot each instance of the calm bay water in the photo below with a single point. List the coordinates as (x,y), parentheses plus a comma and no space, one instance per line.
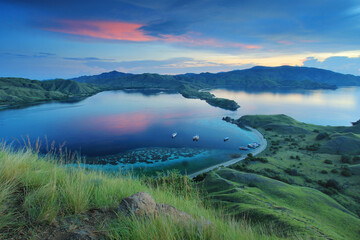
(324,107)
(120,129)
(109,124)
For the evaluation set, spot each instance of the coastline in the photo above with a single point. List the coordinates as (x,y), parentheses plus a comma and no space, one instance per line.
(257,151)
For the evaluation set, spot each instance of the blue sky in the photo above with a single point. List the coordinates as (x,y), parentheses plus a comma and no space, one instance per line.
(44,39)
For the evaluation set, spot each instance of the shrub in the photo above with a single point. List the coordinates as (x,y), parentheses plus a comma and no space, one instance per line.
(324,172)
(327,161)
(328,191)
(346,159)
(313,147)
(334,171)
(346,172)
(200,177)
(279,178)
(322,136)
(356,159)
(260,159)
(332,183)
(308,180)
(292,172)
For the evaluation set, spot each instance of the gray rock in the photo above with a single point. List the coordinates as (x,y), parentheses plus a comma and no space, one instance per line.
(172,212)
(139,204)
(143,204)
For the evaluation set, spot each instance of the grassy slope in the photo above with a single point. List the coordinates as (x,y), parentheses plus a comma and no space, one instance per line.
(294,156)
(288,208)
(43,200)
(15,91)
(288,138)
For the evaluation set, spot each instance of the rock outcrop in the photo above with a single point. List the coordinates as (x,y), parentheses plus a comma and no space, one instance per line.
(139,204)
(142,204)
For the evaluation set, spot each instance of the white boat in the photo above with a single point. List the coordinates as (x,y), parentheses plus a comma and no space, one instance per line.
(174,135)
(196,138)
(244,148)
(250,145)
(226,139)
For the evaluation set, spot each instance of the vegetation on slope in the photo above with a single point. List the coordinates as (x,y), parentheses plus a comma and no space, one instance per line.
(257,78)
(189,92)
(14,91)
(291,208)
(324,158)
(40,199)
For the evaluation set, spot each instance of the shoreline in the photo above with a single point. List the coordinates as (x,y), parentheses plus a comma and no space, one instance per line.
(257,151)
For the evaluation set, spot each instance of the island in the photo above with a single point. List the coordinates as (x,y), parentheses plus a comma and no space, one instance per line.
(20,91)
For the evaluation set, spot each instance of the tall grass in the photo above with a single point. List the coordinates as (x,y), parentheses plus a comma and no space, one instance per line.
(40,191)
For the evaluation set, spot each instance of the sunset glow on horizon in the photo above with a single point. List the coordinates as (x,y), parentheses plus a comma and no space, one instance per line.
(45,40)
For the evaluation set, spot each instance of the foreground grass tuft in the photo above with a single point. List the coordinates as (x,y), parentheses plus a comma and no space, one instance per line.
(42,199)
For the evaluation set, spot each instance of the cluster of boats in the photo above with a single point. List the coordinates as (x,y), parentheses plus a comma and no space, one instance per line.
(195,138)
(248,147)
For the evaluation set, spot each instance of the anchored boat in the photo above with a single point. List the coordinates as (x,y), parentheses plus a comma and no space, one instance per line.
(226,139)
(174,135)
(196,138)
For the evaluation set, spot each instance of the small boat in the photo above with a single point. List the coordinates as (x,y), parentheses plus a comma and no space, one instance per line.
(243,148)
(250,145)
(226,139)
(255,145)
(174,135)
(196,138)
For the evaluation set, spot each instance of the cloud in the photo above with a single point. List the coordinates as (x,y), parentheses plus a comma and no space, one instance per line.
(167,66)
(103,30)
(133,32)
(339,64)
(164,27)
(36,55)
(87,59)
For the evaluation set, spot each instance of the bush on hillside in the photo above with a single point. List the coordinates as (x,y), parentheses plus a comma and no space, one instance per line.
(346,172)
(322,136)
(292,172)
(313,147)
(346,159)
(356,159)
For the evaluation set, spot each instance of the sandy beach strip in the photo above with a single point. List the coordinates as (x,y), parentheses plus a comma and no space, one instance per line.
(257,151)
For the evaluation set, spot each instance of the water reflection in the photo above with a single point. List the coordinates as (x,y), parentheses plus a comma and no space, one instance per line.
(327,107)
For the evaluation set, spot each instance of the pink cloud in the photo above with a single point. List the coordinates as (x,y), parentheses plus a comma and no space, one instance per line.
(125,31)
(103,30)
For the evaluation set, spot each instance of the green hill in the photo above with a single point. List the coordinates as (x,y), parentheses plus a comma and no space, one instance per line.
(256,78)
(324,158)
(289,208)
(15,91)
(23,91)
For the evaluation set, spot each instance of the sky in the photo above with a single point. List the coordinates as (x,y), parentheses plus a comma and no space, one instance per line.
(46,39)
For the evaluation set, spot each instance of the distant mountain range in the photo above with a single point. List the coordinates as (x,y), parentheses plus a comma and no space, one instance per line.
(14,91)
(256,78)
